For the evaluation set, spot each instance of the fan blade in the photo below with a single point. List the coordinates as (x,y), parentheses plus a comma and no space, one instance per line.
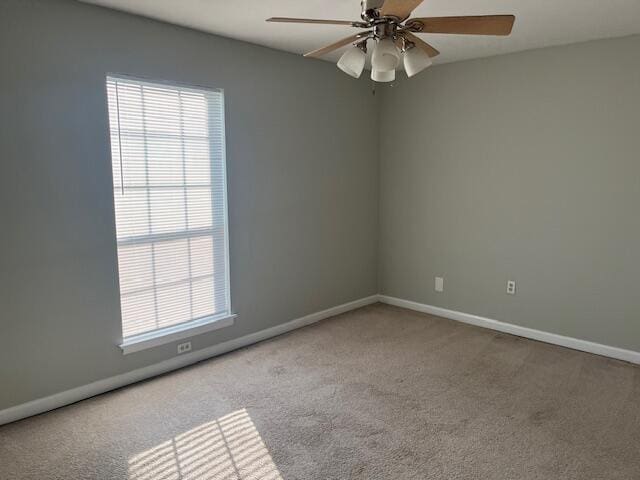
(399,8)
(334,46)
(479,25)
(309,20)
(429,50)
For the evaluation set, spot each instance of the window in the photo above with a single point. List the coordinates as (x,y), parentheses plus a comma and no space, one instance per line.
(169,190)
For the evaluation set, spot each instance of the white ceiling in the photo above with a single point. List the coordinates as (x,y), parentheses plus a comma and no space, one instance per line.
(539,23)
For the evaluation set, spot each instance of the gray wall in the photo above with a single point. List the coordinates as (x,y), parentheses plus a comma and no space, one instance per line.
(523,167)
(302,186)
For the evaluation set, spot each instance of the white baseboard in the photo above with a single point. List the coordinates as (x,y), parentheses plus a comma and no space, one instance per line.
(569,342)
(67,397)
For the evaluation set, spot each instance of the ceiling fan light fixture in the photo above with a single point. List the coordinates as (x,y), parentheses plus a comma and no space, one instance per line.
(352,61)
(386,56)
(383,77)
(415,60)
(387,22)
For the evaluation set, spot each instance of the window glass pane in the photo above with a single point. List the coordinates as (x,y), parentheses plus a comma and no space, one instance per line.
(138,313)
(168,210)
(201,256)
(134,164)
(165,161)
(203,297)
(199,207)
(174,305)
(132,212)
(129,107)
(139,275)
(171,260)
(161,110)
(198,168)
(195,115)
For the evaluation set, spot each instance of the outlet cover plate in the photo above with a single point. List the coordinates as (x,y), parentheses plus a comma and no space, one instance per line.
(184,347)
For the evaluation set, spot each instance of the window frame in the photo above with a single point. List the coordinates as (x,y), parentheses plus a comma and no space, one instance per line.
(191,328)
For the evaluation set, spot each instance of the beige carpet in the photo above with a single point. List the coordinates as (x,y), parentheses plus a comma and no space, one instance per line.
(378,393)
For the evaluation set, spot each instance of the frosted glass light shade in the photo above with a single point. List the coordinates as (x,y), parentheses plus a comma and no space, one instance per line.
(378,76)
(386,56)
(415,60)
(352,62)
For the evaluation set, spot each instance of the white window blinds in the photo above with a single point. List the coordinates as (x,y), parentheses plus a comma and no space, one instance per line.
(168,158)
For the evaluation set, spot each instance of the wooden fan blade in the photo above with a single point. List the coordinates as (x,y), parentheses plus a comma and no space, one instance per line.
(429,50)
(309,20)
(399,8)
(478,25)
(334,46)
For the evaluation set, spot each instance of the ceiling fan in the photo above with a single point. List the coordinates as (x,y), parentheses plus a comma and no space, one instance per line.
(388,25)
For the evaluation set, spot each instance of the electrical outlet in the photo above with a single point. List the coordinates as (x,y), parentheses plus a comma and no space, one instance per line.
(511,287)
(439,284)
(184,347)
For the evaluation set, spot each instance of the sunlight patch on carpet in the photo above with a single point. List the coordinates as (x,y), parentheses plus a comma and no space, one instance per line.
(228,448)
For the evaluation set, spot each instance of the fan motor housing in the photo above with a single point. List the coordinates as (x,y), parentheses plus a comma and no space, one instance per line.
(384,30)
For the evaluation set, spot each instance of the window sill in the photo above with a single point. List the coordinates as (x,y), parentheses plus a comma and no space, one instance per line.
(177,332)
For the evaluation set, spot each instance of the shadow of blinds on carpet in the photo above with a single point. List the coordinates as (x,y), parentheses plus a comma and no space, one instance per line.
(229,447)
